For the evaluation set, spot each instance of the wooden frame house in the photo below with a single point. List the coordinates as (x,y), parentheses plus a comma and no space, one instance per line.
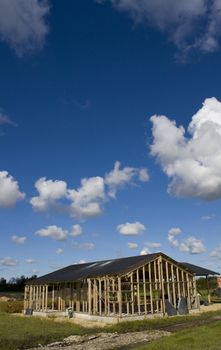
(121,288)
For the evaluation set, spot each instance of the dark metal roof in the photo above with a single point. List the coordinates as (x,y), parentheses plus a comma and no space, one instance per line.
(110,267)
(199,271)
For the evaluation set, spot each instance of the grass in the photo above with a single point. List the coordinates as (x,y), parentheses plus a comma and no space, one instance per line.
(18,332)
(206,337)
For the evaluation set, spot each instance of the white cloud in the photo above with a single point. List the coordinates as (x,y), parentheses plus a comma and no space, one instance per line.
(23,24)
(144,175)
(8,261)
(59,251)
(18,240)
(192,245)
(173,232)
(132,245)
(29,261)
(193,164)
(49,193)
(88,198)
(150,247)
(188,24)
(9,190)
(119,178)
(87,246)
(82,261)
(75,231)
(145,251)
(5,120)
(53,232)
(134,228)
(216,253)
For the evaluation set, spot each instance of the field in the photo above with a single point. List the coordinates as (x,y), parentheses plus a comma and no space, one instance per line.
(199,332)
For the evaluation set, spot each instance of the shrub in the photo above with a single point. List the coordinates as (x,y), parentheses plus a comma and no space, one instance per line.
(11,306)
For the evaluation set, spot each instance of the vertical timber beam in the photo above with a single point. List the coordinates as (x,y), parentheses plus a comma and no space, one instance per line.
(119,296)
(144,290)
(138,291)
(151,291)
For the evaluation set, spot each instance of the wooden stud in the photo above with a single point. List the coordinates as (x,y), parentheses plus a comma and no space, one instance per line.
(138,291)
(173,287)
(162,284)
(178,282)
(119,296)
(156,284)
(132,293)
(168,282)
(151,291)
(144,289)
(100,297)
(89,296)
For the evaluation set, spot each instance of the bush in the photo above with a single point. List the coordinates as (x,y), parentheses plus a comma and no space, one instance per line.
(11,306)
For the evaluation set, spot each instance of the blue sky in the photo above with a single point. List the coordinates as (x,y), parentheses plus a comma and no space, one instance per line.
(110,132)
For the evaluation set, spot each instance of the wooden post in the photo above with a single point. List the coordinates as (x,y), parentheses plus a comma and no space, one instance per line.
(156,285)
(162,285)
(25,298)
(113,288)
(108,296)
(174,289)
(138,291)
(89,296)
(100,297)
(119,296)
(150,285)
(178,282)
(144,289)
(132,293)
(188,291)
(105,296)
(46,297)
(168,282)
(183,284)
(52,300)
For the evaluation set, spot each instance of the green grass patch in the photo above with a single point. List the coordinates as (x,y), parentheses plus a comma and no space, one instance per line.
(207,337)
(17,332)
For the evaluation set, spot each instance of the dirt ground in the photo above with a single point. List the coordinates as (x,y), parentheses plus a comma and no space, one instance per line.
(104,341)
(110,341)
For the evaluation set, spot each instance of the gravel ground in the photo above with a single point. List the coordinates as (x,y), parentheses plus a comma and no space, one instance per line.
(103,341)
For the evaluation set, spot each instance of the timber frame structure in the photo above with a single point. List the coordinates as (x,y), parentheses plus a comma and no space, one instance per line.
(119,288)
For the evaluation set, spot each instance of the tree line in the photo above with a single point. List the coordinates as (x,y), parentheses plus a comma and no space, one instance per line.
(15,284)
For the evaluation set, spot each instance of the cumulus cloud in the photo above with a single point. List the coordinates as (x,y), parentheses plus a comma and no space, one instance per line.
(9,190)
(53,232)
(150,247)
(18,240)
(216,253)
(192,163)
(5,120)
(23,24)
(129,229)
(49,193)
(75,231)
(88,198)
(87,246)
(132,245)
(191,245)
(8,261)
(59,251)
(119,178)
(173,232)
(188,24)
(29,261)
